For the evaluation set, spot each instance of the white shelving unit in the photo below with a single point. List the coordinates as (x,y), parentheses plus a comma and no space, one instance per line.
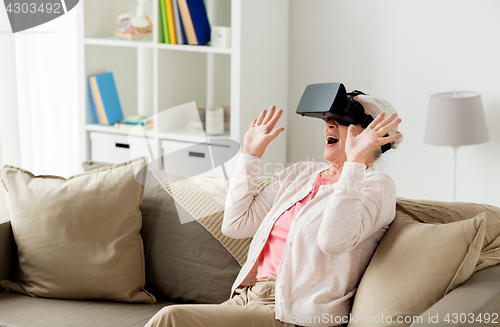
(152,77)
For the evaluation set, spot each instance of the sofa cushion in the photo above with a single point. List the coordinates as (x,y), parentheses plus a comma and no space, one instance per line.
(8,252)
(183,260)
(204,198)
(476,301)
(78,238)
(414,266)
(446,212)
(21,310)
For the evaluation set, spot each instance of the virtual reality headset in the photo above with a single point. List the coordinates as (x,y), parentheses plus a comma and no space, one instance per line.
(331,101)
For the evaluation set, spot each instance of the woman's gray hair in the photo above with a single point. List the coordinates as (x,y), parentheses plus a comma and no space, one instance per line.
(375,106)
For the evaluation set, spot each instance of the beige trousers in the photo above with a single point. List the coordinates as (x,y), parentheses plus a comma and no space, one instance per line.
(252,306)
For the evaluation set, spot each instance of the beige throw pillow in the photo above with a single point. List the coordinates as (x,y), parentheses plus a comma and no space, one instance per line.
(78,238)
(414,266)
(446,212)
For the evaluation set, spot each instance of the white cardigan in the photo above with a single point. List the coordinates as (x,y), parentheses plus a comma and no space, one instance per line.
(331,239)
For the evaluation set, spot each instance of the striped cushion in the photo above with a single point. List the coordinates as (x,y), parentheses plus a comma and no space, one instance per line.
(204,198)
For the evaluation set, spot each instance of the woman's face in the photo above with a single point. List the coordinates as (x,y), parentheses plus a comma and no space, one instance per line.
(335,138)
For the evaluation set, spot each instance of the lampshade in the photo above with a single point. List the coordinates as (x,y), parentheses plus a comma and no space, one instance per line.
(456,118)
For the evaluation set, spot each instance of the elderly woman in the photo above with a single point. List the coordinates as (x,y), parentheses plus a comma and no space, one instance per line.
(314,228)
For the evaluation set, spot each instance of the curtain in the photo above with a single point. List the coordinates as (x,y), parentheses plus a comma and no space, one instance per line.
(47,90)
(3,205)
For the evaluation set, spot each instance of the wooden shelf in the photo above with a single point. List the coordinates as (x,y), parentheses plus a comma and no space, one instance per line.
(174,135)
(194,48)
(186,136)
(117,42)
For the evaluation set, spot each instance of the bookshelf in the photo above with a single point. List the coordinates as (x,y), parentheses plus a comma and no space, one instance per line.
(152,77)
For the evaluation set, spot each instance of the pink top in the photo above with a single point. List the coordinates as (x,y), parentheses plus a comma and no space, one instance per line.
(270,257)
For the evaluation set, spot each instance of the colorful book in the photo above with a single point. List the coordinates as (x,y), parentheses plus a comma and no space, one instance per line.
(104,98)
(187,22)
(170,21)
(184,37)
(200,21)
(163,11)
(181,36)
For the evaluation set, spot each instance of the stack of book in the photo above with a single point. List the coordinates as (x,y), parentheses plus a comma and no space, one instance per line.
(185,22)
(133,121)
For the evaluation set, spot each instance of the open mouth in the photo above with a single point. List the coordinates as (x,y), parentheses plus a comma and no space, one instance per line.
(330,139)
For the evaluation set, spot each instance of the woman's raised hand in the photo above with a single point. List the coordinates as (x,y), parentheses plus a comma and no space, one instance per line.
(361,147)
(261,133)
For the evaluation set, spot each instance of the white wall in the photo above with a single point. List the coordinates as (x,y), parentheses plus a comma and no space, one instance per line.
(403,51)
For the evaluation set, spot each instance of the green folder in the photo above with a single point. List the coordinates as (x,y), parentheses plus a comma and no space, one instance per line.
(163,10)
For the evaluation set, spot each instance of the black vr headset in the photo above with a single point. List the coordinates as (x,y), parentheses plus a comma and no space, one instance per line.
(330,100)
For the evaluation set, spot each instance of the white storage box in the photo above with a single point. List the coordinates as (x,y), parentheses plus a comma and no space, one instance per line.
(192,159)
(116,148)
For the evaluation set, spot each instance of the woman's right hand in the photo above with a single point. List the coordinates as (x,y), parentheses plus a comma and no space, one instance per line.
(261,133)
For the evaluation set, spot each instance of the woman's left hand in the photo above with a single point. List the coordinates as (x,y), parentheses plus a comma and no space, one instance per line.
(361,147)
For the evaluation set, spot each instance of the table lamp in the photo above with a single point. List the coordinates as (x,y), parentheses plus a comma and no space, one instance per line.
(455,119)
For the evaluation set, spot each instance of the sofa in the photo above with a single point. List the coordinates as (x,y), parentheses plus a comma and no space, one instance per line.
(185,263)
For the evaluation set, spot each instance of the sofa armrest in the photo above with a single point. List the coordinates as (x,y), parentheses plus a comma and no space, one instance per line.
(479,295)
(8,250)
